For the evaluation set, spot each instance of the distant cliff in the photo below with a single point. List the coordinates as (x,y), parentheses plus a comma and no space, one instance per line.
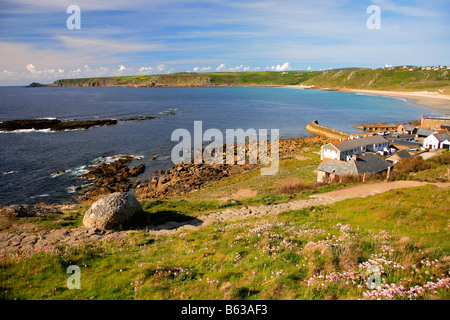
(398,78)
(192,80)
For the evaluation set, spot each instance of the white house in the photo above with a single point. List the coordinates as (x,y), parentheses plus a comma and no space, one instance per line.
(346,149)
(437,140)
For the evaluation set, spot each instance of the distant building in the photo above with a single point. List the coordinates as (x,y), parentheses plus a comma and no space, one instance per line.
(330,169)
(346,149)
(433,122)
(423,133)
(438,140)
(445,125)
(406,129)
(399,156)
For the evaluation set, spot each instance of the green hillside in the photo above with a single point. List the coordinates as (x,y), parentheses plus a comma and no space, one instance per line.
(397,78)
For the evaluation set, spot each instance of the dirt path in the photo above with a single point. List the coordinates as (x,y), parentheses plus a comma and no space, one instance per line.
(328,198)
(23,240)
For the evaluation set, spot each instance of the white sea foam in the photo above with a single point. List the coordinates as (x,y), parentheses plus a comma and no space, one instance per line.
(28,131)
(79,171)
(40,196)
(7,173)
(71,189)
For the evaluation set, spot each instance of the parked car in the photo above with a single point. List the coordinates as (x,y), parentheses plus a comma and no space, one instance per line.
(412,149)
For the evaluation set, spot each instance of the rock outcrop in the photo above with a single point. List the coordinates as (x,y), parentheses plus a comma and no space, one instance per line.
(111,211)
(111,177)
(52,124)
(183,178)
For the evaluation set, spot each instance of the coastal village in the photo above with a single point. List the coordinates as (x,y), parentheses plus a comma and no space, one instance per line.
(227,232)
(378,151)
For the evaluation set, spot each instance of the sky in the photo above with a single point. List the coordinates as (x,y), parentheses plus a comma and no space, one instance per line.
(138,37)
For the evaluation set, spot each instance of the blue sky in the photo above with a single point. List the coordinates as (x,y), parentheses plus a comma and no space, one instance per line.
(164,36)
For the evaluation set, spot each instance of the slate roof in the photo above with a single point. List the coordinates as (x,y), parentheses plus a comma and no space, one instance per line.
(337,167)
(371,163)
(442,136)
(424,132)
(403,154)
(358,143)
(409,127)
(405,143)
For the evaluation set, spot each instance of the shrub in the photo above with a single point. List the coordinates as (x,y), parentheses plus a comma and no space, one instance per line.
(297,188)
(409,165)
(441,159)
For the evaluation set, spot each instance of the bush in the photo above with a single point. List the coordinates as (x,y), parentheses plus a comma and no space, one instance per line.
(297,188)
(441,159)
(409,165)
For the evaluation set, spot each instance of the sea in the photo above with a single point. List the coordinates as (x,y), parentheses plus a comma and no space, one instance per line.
(29,158)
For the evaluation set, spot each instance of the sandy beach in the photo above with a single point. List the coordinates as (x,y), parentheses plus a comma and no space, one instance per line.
(439,102)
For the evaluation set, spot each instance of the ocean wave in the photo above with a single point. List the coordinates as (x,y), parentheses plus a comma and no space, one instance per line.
(8,172)
(40,196)
(81,170)
(170,111)
(376,95)
(28,131)
(71,189)
(111,159)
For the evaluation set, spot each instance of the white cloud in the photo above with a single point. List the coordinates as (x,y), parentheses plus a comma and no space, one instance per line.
(31,68)
(285,66)
(145,70)
(161,67)
(405,10)
(122,67)
(198,69)
(221,67)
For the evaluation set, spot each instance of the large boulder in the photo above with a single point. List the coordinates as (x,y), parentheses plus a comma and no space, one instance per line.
(111,211)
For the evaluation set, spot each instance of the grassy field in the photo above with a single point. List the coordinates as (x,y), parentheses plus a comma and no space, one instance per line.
(325,252)
(315,253)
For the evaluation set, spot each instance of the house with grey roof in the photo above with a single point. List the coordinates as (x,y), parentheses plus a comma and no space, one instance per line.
(445,125)
(344,150)
(330,169)
(423,132)
(438,140)
(399,156)
(406,129)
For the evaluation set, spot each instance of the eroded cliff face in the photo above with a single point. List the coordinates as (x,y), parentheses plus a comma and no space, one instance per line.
(153,81)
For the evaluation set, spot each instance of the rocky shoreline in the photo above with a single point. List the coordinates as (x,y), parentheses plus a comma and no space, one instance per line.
(180,179)
(53,124)
(118,174)
(114,175)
